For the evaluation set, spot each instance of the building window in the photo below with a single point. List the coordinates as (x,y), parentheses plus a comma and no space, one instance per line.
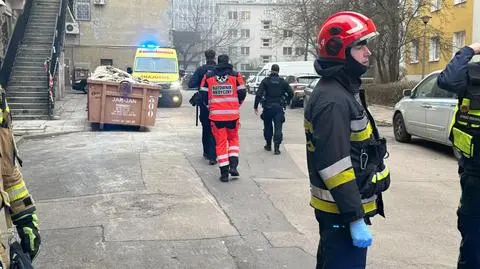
(267,25)
(266,42)
(245,67)
(436,5)
(458,41)
(299,51)
(245,33)
(106,62)
(288,51)
(459,1)
(435,48)
(266,58)
(245,51)
(414,52)
(232,32)
(232,50)
(233,15)
(245,15)
(82,10)
(287,33)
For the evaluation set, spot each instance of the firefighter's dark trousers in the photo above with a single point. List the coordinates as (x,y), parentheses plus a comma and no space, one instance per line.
(469,218)
(336,250)
(208,141)
(273,119)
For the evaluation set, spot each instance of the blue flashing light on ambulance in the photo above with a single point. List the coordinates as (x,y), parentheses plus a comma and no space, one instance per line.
(159,65)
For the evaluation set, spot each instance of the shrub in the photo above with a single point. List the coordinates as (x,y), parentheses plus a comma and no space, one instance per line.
(386,94)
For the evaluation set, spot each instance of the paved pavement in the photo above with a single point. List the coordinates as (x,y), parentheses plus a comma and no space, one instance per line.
(129,199)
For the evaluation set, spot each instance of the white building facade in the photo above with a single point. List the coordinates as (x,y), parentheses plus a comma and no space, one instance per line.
(260,40)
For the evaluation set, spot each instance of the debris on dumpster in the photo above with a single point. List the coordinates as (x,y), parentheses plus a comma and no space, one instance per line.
(110,73)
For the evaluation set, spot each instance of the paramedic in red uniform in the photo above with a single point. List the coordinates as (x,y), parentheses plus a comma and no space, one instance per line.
(223,91)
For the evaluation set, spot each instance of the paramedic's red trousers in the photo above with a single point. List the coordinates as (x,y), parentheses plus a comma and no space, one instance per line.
(226,140)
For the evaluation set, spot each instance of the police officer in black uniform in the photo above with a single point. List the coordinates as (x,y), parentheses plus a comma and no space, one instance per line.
(463,78)
(274,93)
(207,137)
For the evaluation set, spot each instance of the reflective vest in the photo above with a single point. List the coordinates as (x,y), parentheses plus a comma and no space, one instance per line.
(223,103)
(465,125)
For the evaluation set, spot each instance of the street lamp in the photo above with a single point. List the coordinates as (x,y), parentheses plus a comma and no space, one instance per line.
(425,20)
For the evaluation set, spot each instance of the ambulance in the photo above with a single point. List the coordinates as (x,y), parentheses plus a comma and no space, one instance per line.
(159,65)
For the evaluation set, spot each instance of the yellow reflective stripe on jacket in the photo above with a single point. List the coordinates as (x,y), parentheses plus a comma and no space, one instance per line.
(340,179)
(381,175)
(362,135)
(330,207)
(17,192)
(336,168)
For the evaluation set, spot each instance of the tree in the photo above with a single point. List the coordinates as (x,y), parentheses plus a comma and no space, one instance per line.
(201,30)
(398,23)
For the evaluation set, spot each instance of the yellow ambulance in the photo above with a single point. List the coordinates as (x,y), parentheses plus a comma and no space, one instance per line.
(160,66)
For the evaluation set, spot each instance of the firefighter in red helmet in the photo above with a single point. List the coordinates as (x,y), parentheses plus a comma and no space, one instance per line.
(345,152)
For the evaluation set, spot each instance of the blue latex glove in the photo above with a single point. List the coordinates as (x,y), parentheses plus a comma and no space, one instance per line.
(361,235)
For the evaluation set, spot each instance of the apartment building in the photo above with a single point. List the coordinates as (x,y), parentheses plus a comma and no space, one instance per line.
(259,40)
(458,22)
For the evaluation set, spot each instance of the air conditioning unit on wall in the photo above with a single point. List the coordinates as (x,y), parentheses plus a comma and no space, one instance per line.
(72,28)
(99,2)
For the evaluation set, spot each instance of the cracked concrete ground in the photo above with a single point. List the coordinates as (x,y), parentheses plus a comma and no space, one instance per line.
(129,199)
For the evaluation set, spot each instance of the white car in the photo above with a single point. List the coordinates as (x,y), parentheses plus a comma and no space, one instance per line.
(426,112)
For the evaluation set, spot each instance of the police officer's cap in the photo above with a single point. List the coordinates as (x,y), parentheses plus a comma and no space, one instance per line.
(275,68)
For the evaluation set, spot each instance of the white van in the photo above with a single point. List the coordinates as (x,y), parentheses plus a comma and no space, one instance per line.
(286,69)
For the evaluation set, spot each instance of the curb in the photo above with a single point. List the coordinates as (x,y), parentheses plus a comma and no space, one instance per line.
(22,138)
(384,123)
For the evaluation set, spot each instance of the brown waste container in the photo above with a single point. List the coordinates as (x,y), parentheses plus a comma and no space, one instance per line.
(116,103)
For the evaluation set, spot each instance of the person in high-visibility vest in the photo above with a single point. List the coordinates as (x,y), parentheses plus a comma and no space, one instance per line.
(14,194)
(223,91)
(463,78)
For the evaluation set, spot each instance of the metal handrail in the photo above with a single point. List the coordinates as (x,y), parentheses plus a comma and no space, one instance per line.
(51,63)
(14,43)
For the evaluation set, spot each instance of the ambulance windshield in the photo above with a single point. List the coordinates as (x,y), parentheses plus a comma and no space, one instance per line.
(156,65)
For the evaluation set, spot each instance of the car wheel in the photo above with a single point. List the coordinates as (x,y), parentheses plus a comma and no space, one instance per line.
(399,129)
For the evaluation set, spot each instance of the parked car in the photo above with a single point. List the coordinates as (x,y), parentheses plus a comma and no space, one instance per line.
(298,84)
(308,91)
(426,112)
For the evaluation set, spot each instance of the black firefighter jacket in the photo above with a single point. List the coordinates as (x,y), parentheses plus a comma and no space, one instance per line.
(344,152)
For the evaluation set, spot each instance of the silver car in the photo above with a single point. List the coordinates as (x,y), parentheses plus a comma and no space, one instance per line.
(425,111)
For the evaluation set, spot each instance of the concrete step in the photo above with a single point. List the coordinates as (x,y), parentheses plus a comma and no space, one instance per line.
(28,106)
(29,113)
(21,72)
(30,117)
(34,53)
(42,95)
(31,83)
(28,99)
(38,40)
(43,14)
(41,24)
(22,65)
(36,66)
(27,89)
(39,34)
(28,78)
